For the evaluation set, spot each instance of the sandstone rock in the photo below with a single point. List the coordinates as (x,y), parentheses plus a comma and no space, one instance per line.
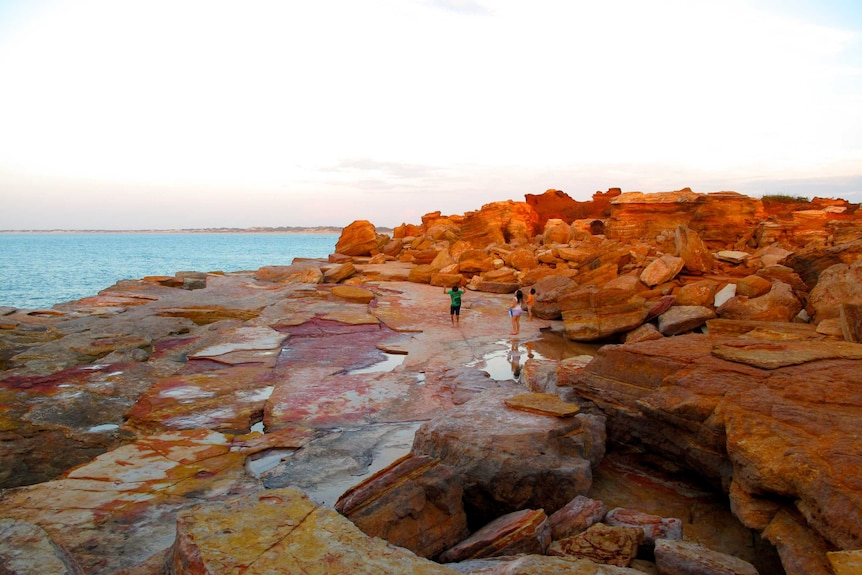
(645,332)
(526,531)
(488,443)
(556,231)
(626,282)
(353,294)
(851,322)
(775,330)
(306,272)
(26,549)
(282,531)
(493,287)
(591,314)
(811,262)
(475,261)
(838,284)
(692,250)
(772,255)
(700,293)
(540,375)
(688,558)
(662,270)
(654,527)
(570,369)
(414,503)
(601,543)
(502,275)
(421,274)
(243,345)
(767,355)
(779,304)
(548,292)
(542,404)
(845,562)
(732,256)
(119,509)
(784,440)
(683,318)
(499,223)
(802,551)
(576,516)
(446,280)
(582,255)
(336,273)
(753,286)
(656,308)
(357,239)
(523,259)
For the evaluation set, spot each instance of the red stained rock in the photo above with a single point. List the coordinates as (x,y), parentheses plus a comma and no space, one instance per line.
(414,503)
(526,531)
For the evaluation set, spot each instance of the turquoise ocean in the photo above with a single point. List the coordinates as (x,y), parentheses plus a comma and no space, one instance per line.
(38,270)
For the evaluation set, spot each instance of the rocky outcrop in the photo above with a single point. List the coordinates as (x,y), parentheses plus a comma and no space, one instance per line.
(756,431)
(135,420)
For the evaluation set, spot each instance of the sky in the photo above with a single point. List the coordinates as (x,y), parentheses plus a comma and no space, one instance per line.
(166,114)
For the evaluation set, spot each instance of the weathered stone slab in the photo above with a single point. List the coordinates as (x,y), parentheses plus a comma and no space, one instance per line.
(662,270)
(576,516)
(732,256)
(282,531)
(353,294)
(26,549)
(414,503)
(767,355)
(687,557)
(601,543)
(244,345)
(775,330)
(683,318)
(542,404)
(526,531)
(229,400)
(802,551)
(653,526)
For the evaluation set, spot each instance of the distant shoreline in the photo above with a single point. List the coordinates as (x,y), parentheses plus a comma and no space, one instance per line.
(280,230)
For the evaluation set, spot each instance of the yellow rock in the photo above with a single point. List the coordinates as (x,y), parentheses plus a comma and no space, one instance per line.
(846,562)
(543,404)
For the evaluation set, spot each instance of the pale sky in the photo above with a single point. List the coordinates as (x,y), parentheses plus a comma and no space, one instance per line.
(160,114)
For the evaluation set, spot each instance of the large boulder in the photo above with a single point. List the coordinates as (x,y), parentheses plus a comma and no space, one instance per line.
(838,284)
(488,442)
(358,239)
(779,304)
(414,503)
(592,314)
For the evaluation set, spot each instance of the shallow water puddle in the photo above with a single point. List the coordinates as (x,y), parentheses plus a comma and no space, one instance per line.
(506,362)
(390,362)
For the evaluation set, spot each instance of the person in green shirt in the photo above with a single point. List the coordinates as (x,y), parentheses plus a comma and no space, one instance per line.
(455,304)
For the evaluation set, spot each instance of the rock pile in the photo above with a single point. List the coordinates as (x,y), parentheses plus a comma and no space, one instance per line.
(326,417)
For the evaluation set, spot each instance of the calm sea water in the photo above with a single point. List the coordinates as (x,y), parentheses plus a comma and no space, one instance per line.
(40,270)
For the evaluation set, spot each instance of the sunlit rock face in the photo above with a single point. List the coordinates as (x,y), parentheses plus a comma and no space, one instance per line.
(121,412)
